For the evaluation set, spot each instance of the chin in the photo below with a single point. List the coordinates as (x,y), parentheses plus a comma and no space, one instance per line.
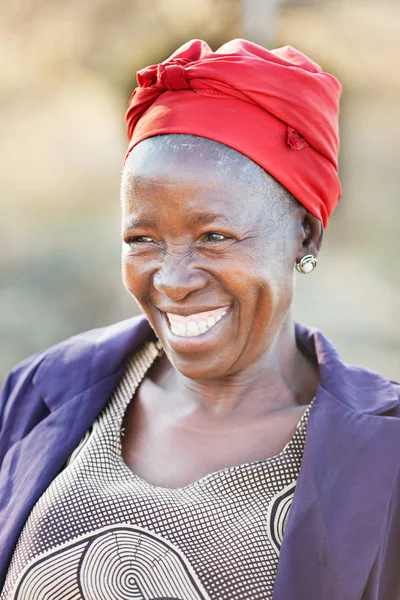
(201,368)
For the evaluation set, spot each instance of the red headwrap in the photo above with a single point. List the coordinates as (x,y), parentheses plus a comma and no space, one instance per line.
(277,107)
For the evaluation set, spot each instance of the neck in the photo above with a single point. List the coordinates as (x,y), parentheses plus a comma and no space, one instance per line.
(280,378)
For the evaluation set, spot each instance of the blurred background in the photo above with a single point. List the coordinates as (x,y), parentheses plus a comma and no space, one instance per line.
(66,73)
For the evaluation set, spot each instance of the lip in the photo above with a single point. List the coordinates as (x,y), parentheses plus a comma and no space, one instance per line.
(199,343)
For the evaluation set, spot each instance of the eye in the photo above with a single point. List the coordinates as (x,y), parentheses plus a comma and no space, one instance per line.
(215,237)
(139,239)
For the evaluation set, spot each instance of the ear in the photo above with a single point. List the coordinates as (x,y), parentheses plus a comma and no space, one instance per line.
(312,233)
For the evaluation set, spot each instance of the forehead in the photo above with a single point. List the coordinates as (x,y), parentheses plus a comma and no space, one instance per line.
(185,194)
(183,175)
(177,158)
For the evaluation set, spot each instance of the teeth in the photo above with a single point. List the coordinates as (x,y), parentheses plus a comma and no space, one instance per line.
(202,325)
(192,329)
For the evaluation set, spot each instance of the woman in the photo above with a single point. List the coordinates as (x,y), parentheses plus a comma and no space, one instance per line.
(167,456)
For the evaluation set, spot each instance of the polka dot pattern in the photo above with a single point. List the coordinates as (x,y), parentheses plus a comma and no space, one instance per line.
(101,527)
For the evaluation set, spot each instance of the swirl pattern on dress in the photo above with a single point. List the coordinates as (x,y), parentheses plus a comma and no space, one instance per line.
(117,563)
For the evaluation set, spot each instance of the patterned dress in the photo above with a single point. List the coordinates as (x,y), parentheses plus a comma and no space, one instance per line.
(101,532)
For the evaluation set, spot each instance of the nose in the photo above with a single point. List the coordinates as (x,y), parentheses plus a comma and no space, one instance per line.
(177,278)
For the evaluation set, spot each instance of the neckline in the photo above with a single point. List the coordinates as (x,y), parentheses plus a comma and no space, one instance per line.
(130,392)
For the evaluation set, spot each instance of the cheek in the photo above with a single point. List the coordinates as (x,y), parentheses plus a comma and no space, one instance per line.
(245,277)
(136,277)
(253,275)
(266,285)
(280,289)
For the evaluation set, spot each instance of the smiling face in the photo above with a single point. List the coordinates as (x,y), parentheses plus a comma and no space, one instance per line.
(209,246)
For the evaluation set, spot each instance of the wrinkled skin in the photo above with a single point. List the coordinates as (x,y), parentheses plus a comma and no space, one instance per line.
(205,227)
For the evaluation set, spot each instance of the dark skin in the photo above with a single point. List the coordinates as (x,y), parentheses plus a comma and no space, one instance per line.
(202,230)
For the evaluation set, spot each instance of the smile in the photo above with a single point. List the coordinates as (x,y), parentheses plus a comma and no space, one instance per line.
(197,323)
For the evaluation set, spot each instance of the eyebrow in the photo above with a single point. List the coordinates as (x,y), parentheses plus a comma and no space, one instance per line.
(131,223)
(203,219)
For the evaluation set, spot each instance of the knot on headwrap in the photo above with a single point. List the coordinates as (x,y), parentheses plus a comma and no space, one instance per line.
(266,104)
(172,77)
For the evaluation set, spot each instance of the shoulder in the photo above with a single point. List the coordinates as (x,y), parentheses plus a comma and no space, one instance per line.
(91,361)
(396,386)
(360,389)
(77,361)
(82,345)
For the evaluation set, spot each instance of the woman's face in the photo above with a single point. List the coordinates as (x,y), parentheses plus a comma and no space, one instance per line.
(209,247)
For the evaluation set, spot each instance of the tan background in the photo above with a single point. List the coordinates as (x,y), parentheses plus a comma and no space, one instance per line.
(67,70)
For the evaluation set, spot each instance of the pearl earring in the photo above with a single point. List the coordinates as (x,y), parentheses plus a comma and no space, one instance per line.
(306,264)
